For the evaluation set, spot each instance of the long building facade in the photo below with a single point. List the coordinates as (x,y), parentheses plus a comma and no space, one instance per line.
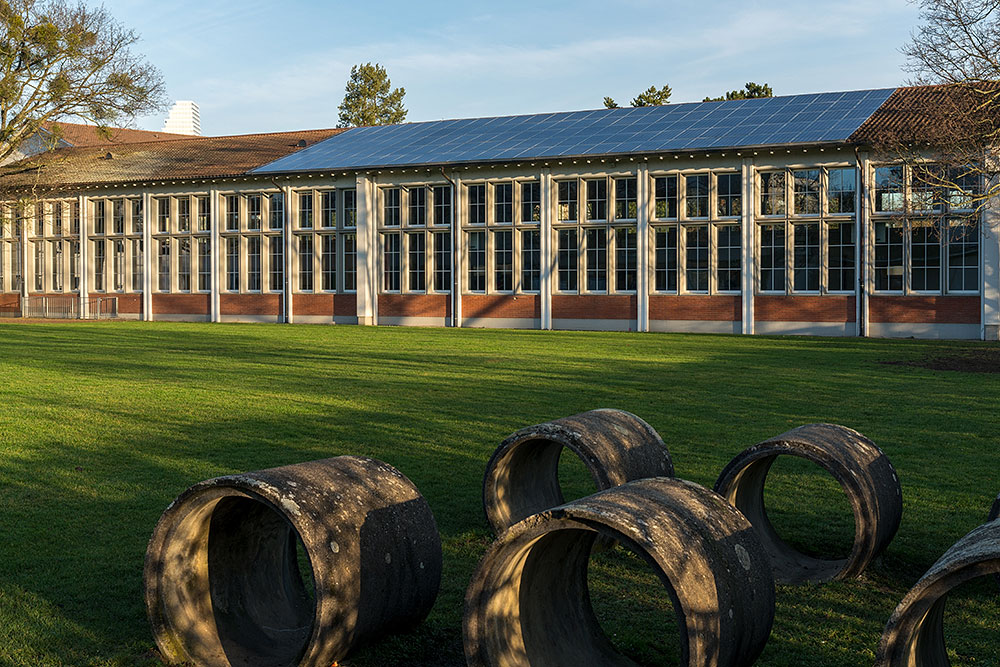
(788,236)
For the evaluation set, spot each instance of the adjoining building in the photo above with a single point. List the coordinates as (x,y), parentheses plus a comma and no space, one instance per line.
(764,216)
(184,117)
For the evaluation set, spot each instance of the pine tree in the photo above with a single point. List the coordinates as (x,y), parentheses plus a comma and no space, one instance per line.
(369,98)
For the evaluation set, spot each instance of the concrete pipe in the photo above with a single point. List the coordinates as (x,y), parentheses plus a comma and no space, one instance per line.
(863,471)
(223,579)
(522,476)
(914,636)
(529,604)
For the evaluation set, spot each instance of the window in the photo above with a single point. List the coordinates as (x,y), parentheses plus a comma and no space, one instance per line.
(806,184)
(74,266)
(39,266)
(442,261)
(205,214)
(772,193)
(925,189)
(391,260)
(566,202)
(74,219)
(118,216)
(625,259)
(305,263)
(118,265)
(477,204)
(840,191)
(57,266)
(137,265)
(100,268)
(417,260)
(184,265)
(163,265)
(233,264)
(962,187)
(254,216)
(665,197)
(184,214)
(328,260)
(596,256)
(531,201)
(254,277)
(730,194)
(840,256)
(889,188)
(328,208)
(963,256)
(2,246)
(805,276)
(626,203)
(728,260)
(57,219)
(232,213)
(696,196)
(666,259)
(925,256)
(99,216)
(889,255)
(137,216)
(503,261)
(204,265)
(305,210)
(503,203)
(15,266)
(477,261)
(531,260)
(696,267)
(277,206)
(772,258)
(163,214)
(390,207)
(40,219)
(350,261)
(417,202)
(567,260)
(276,263)
(442,205)
(597,199)
(350,208)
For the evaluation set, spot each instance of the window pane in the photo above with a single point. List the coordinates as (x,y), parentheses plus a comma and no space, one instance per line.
(806,274)
(597,199)
(391,260)
(567,260)
(328,261)
(390,207)
(772,193)
(597,259)
(696,196)
(666,259)
(841,256)
(925,256)
(840,191)
(477,204)
(730,187)
(477,261)
(306,263)
(566,202)
(665,197)
(503,260)
(417,204)
(728,259)
(442,261)
(503,203)
(626,204)
(531,260)
(772,258)
(889,255)
(889,188)
(625,259)
(963,256)
(416,261)
(806,183)
(696,265)
(442,205)
(531,202)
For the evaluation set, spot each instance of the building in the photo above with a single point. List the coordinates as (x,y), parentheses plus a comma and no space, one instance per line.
(183,118)
(765,216)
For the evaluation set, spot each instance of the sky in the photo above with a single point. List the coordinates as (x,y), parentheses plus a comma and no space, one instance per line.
(265,66)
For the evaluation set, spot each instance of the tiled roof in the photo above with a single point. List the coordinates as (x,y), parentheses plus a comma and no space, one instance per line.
(79,134)
(175,159)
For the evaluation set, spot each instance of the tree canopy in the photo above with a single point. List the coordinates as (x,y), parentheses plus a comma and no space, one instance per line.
(749,91)
(370,99)
(62,61)
(651,97)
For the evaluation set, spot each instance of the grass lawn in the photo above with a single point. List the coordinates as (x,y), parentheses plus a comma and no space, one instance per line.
(103,424)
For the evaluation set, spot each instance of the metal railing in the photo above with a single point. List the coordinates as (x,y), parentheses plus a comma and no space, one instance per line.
(62,306)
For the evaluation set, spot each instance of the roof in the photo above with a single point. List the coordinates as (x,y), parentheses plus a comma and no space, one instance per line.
(80,134)
(175,159)
(793,119)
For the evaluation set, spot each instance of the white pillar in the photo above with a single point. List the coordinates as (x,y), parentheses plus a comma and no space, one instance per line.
(83,202)
(148,257)
(286,238)
(749,235)
(547,256)
(990,258)
(864,245)
(366,251)
(643,201)
(215,261)
(24,255)
(457,216)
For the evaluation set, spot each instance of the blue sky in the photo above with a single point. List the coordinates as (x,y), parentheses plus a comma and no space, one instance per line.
(260,66)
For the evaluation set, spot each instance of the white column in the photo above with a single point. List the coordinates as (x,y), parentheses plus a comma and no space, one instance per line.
(863,208)
(148,257)
(547,255)
(642,248)
(458,244)
(365,251)
(83,202)
(216,261)
(748,229)
(286,237)
(25,272)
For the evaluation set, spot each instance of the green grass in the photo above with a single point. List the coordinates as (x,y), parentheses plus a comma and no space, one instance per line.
(103,424)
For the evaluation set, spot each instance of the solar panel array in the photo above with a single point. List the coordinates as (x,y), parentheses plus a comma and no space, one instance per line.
(793,119)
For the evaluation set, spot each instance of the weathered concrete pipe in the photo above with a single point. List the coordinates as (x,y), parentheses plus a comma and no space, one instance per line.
(522,476)
(863,471)
(528,603)
(222,577)
(914,636)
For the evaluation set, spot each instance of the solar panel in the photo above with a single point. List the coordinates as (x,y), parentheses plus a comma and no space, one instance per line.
(793,119)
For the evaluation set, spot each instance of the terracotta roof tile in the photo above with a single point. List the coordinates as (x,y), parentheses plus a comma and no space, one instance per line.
(79,134)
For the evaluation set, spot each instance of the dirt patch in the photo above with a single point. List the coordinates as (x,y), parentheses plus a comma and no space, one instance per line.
(977,360)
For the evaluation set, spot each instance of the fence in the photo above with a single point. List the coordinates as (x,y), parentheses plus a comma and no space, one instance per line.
(62,307)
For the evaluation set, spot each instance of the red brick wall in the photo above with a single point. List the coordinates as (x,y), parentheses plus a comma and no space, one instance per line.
(129,303)
(594,306)
(925,309)
(345,305)
(803,308)
(180,304)
(413,305)
(247,304)
(312,304)
(501,305)
(10,303)
(709,307)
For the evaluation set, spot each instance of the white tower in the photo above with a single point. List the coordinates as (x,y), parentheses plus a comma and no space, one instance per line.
(183,118)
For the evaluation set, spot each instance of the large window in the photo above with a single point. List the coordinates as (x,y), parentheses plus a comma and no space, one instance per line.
(118,216)
(531,201)
(889,255)
(596,254)
(805,277)
(254,264)
(391,261)
(665,197)
(137,265)
(925,256)
(350,262)
(99,216)
(163,265)
(163,214)
(184,265)
(305,262)
(204,265)
(730,194)
(205,214)
(963,256)
(503,261)
(840,256)
(696,266)
(728,260)
(477,203)
(625,259)
(772,193)
(567,260)
(276,257)
(442,261)
(328,261)
(597,199)
(840,191)
(772,257)
(666,259)
(233,264)
(806,184)
(100,265)
(417,257)
(477,261)
(118,265)
(531,260)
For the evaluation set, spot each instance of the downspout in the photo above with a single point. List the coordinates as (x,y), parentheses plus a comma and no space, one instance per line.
(454,238)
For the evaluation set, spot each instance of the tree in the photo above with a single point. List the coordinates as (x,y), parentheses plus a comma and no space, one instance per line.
(651,97)
(750,91)
(369,98)
(61,61)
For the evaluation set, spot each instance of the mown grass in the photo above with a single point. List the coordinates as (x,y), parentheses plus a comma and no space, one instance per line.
(103,424)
